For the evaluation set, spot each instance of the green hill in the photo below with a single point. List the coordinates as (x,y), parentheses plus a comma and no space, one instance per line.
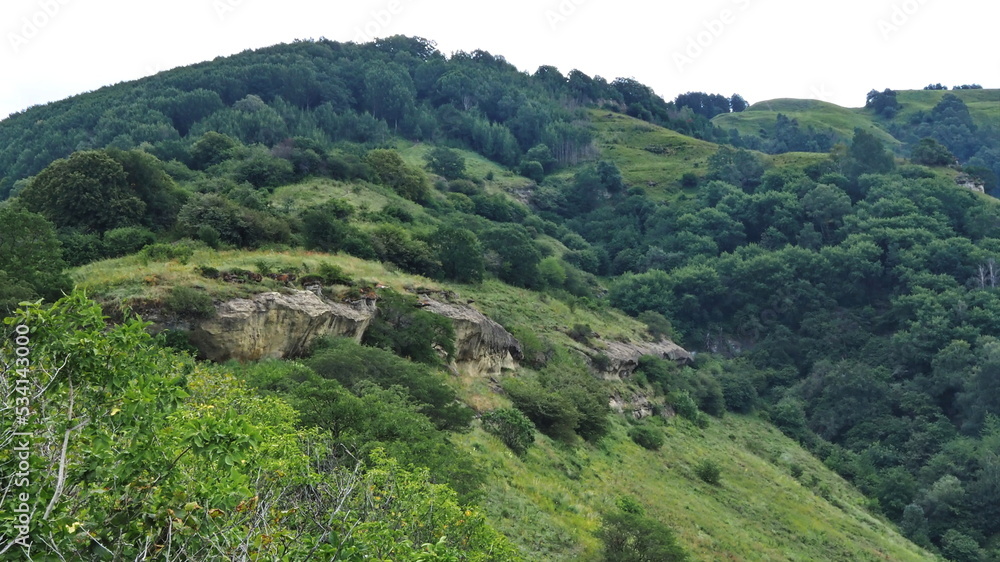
(840,308)
(775,501)
(820,115)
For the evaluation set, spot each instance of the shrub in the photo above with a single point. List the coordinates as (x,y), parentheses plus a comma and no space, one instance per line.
(410,332)
(601,362)
(126,240)
(647,437)
(552,413)
(656,324)
(581,333)
(180,252)
(683,404)
(709,471)
(355,366)
(332,274)
(512,427)
(185,301)
(177,340)
(632,537)
(739,392)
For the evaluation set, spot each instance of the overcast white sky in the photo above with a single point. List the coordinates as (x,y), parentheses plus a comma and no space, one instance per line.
(762,49)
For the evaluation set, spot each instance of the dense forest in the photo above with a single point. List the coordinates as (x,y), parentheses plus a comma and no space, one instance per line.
(849,297)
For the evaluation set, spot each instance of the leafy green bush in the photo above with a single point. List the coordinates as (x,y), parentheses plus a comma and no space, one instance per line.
(553,414)
(683,404)
(408,331)
(354,365)
(512,427)
(739,392)
(647,437)
(179,251)
(632,537)
(709,471)
(126,240)
(333,274)
(189,302)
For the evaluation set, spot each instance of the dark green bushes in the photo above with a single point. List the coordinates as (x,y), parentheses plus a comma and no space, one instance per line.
(189,302)
(512,427)
(646,436)
(354,365)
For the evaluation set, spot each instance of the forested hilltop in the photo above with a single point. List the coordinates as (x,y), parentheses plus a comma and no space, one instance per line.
(833,271)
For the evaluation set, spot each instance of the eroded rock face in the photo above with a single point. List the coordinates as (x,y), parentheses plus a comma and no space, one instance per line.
(624,357)
(482,347)
(276,325)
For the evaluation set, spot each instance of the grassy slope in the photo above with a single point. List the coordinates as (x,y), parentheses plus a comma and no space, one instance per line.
(819,114)
(984,106)
(550,502)
(625,140)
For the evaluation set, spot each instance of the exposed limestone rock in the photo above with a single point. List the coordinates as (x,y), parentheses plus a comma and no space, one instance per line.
(970,183)
(637,405)
(276,325)
(624,357)
(482,347)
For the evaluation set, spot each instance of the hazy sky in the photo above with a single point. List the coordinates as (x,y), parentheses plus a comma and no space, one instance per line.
(761,49)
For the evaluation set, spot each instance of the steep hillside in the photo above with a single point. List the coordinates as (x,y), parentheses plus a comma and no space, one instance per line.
(556,303)
(774,501)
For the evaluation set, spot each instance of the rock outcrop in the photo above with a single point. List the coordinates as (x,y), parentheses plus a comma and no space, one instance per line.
(482,347)
(637,405)
(623,358)
(276,325)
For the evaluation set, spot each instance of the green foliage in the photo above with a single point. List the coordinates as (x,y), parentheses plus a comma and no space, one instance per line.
(709,471)
(126,240)
(739,392)
(178,251)
(633,537)
(263,170)
(235,224)
(867,156)
(647,436)
(657,324)
(332,274)
(212,148)
(512,427)
(354,365)
(460,254)
(551,272)
(30,257)
(737,167)
(564,399)
(553,414)
(930,152)
(189,303)
(446,162)
(89,191)
(389,168)
(512,256)
(410,332)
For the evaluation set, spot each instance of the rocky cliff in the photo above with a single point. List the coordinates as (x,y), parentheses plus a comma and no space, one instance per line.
(482,347)
(623,357)
(276,325)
